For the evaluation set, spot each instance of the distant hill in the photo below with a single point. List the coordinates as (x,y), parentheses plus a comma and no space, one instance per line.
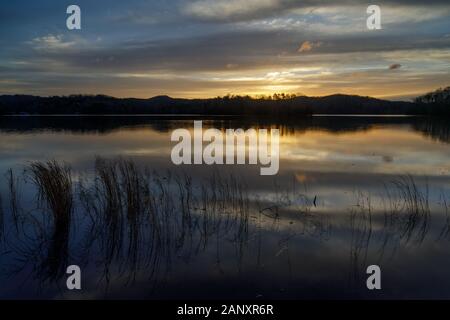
(278,105)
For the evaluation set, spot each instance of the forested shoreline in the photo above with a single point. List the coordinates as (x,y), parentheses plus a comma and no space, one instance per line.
(434,103)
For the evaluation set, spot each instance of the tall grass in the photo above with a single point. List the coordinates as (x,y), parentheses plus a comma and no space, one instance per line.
(361,226)
(2,220)
(407,212)
(55,194)
(54,184)
(144,218)
(14,197)
(445,231)
(406,220)
(138,219)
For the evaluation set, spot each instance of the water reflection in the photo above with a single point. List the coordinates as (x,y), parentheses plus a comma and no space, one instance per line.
(374,191)
(435,128)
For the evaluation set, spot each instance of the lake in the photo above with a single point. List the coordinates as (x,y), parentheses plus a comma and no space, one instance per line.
(350,192)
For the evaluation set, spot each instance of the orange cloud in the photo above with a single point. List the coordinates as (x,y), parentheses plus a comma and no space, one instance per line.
(308,46)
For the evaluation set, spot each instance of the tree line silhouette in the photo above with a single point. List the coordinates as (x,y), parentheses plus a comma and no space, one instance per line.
(434,103)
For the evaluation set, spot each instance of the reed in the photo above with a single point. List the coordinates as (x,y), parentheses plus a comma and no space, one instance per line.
(445,231)
(361,226)
(416,209)
(13,183)
(136,219)
(2,220)
(54,184)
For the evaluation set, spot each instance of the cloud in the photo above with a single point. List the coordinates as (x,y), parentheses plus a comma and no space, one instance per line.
(51,43)
(308,46)
(239,51)
(215,47)
(395,66)
(230,9)
(244,10)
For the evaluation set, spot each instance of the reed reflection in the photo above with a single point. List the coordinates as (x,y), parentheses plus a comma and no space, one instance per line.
(128,221)
(140,227)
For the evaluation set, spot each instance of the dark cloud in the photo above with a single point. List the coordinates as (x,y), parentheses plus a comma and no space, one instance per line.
(198,53)
(242,50)
(243,10)
(395,66)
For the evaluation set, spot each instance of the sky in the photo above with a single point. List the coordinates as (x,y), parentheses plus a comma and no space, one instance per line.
(208,48)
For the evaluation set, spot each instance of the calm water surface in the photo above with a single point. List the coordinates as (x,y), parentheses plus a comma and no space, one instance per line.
(351,192)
